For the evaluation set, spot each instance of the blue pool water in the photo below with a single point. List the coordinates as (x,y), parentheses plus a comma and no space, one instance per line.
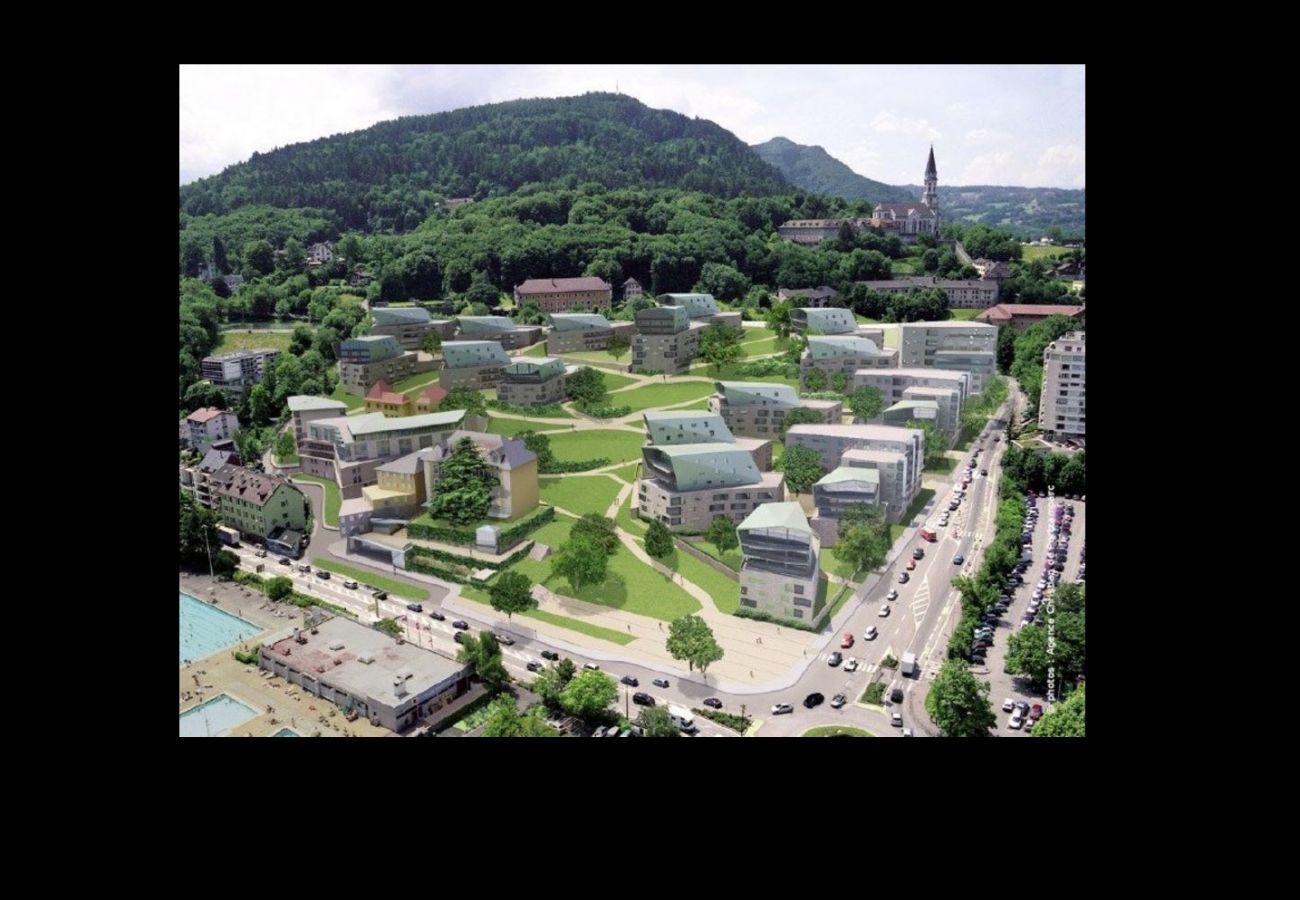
(216,717)
(206,629)
(286,732)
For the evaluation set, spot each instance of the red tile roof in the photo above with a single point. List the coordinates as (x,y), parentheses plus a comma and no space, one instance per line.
(207,414)
(384,393)
(563,285)
(1006,311)
(434,395)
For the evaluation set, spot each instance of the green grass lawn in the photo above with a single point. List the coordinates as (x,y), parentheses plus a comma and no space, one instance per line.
(1029,254)
(241,340)
(666,394)
(629,584)
(541,615)
(333,499)
(600,356)
(626,521)
(416,382)
(832,565)
(628,473)
(512,427)
(366,576)
(724,591)
(768,345)
(732,373)
(617,446)
(536,350)
(578,494)
(841,599)
(866,320)
(352,400)
(942,467)
(965,314)
(923,497)
(614,381)
(730,559)
(837,731)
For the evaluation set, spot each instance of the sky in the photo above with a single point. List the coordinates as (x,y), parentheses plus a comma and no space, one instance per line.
(989,124)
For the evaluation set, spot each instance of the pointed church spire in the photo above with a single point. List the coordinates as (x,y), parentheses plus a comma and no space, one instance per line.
(929,167)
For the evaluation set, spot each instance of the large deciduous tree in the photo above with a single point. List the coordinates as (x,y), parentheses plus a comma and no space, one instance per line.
(802,467)
(618,345)
(463,398)
(597,529)
(864,537)
(720,346)
(587,385)
(580,560)
(511,592)
(484,654)
(658,540)
(722,534)
(656,722)
(588,694)
(1065,719)
(690,638)
(958,702)
(866,403)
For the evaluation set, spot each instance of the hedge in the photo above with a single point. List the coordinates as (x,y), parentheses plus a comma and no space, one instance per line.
(737,723)
(555,467)
(603,412)
(444,556)
(761,616)
(771,366)
(466,537)
(425,568)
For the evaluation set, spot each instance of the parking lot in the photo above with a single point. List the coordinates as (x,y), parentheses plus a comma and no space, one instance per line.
(1008,687)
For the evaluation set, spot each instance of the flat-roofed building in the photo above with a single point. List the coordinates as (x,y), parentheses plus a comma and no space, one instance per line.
(701,308)
(969,293)
(1062,407)
(956,345)
(832,441)
(561,294)
(584,332)
(349,449)
(238,371)
(501,329)
(670,428)
(905,411)
(666,340)
(893,384)
(780,570)
(532,381)
(472,364)
(844,355)
(685,486)
(305,409)
(378,357)
(757,409)
(839,489)
(393,685)
(947,402)
(894,481)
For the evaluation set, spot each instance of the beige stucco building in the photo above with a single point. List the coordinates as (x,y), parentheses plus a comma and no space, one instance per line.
(1062,407)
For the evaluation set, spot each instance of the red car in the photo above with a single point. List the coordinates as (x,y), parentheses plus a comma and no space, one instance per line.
(847,641)
(911,564)
(1036,712)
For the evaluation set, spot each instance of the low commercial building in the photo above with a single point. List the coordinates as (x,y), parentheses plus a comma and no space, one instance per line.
(532,381)
(970,293)
(472,364)
(410,325)
(363,670)
(237,372)
(1022,315)
(702,308)
(685,486)
(844,355)
(206,426)
(563,294)
(1062,407)
(257,504)
(516,493)
(582,332)
(961,346)
(757,409)
(896,493)
(306,409)
(676,428)
(378,357)
(832,441)
(501,329)
(666,340)
(349,449)
(780,570)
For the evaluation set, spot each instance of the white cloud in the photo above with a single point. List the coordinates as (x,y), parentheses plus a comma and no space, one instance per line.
(989,168)
(981,137)
(890,123)
(1061,165)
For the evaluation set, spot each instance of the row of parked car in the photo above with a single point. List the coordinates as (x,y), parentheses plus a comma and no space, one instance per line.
(1022,714)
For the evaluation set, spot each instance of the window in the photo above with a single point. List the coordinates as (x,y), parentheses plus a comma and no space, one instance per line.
(798,588)
(744,590)
(745,601)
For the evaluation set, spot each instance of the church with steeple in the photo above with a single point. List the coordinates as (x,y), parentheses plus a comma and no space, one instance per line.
(911,220)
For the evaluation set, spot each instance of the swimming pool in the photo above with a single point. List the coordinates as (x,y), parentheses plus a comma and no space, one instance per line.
(286,732)
(216,717)
(206,629)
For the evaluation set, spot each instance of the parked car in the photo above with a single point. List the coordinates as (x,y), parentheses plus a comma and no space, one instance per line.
(463,626)
(321,573)
(918,553)
(546,654)
(437,616)
(1016,721)
(630,681)
(884,611)
(781,709)
(835,659)
(284,561)
(812,700)
(838,700)
(870,634)
(713,703)
(911,565)
(660,682)
(534,666)
(892,595)
(1036,712)
(591,667)
(958,560)
(350,585)
(459,637)
(505,639)
(1008,705)
(415,607)
(641,698)
(847,641)
(902,577)
(984,472)
(896,719)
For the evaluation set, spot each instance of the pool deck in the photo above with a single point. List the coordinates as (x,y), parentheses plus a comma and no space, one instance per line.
(283,705)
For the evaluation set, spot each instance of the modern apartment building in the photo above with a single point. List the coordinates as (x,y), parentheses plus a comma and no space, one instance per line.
(378,357)
(257,504)
(349,449)
(410,325)
(382,398)
(580,332)
(239,371)
(666,340)
(1062,407)
(947,403)
(829,320)
(393,684)
(1022,315)
(208,425)
(501,329)
(839,489)
(896,493)
(961,346)
(844,355)
(780,570)
(685,486)
(893,384)
(701,308)
(905,411)
(831,442)
(757,409)
(516,493)
(971,293)
(562,294)
(472,364)
(306,409)
(532,381)
(670,428)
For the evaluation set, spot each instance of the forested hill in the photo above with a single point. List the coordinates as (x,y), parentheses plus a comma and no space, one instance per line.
(813,169)
(391,176)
